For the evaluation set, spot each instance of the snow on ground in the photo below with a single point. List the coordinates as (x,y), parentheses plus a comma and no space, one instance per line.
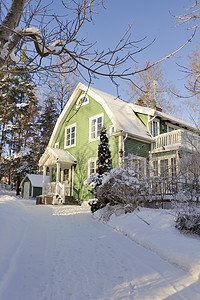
(63,252)
(161,237)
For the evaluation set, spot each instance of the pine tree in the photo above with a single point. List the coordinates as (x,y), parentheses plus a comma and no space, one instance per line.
(47,122)
(104,166)
(104,161)
(20,109)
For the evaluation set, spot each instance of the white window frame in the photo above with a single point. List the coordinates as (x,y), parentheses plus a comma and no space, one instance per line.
(69,127)
(174,127)
(90,127)
(56,146)
(168,157)
(79,100)
(136,162)
(92,160)
(158,127)
(112,129)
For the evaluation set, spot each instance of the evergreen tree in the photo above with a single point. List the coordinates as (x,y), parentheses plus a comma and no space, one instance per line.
(47,122)
(18,119)
(104,166)
(104,161)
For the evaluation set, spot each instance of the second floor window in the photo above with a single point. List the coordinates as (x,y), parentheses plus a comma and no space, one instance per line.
(155,128)
(96,124)
(70,136)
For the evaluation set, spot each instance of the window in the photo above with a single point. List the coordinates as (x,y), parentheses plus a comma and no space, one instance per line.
(137,163)
(155,168)
(56,145)
(70,136)
(155,128)
(82,100)
(96,124)
(173,167)
(164,170)
(92,165)
(112,129)
(169,128)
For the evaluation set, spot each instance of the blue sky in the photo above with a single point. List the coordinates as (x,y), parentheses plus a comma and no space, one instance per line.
(151,19)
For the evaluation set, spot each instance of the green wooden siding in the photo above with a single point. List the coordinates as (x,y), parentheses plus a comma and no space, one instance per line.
(166,153)
(136,147)
(85,149)
(143,118)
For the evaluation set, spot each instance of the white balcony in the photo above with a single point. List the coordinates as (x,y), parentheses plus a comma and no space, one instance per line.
(175,139)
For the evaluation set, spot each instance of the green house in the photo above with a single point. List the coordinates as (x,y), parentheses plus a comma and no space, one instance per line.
(148,134)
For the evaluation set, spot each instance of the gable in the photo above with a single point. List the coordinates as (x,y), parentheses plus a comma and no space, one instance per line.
(116,112)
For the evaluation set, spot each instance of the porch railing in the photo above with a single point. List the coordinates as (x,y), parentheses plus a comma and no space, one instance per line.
(176,138)
(49,188)
(56,188)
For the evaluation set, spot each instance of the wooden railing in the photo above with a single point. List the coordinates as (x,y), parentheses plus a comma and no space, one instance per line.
(56,188)
(176,138)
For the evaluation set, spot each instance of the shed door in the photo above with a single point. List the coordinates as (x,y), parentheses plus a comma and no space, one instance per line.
(26,189)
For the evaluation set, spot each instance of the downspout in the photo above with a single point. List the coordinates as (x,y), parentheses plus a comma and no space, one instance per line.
(124,142)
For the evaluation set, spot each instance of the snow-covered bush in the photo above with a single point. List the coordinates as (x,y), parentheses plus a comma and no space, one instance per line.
(189,223)
(187,212)
(187,202)
(121,187)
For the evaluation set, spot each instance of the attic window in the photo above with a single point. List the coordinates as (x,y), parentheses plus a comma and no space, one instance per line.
(82,100)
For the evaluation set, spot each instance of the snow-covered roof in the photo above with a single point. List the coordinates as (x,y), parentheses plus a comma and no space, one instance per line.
(153,112)
(53,155)
(123,116)
(35,179)
(119,112)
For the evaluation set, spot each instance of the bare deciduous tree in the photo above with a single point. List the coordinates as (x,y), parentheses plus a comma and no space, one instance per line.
(62,83)
(35,22)
(154,88)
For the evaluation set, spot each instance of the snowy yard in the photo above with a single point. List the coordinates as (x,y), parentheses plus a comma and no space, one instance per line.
(64,253)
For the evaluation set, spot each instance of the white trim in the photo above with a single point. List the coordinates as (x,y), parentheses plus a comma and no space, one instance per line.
(172,126)
(112,130)
(71,145)
(79,100)
(92,159)
(155,120)
(56,146)
(80,87)
(90,126)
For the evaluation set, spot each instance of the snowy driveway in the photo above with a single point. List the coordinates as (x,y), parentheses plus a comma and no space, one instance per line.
(46,256)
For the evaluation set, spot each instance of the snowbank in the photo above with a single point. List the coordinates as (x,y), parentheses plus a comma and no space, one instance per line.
(160,236)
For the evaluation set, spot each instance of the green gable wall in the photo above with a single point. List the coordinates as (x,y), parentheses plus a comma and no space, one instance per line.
(143,118)
(85,149)
(136,147)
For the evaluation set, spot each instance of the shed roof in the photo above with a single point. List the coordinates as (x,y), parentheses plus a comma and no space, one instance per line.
(35,179)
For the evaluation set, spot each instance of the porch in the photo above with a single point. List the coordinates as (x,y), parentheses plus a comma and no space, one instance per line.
(175,139)
(59,165)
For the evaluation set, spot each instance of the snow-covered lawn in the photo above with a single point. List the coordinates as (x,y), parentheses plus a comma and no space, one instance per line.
(65,253)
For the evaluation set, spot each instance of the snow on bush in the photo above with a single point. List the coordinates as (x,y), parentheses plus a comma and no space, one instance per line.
(121,188)
(188,213)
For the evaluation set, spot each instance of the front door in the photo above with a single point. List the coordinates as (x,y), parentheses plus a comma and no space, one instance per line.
(26,189)
(66,181)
